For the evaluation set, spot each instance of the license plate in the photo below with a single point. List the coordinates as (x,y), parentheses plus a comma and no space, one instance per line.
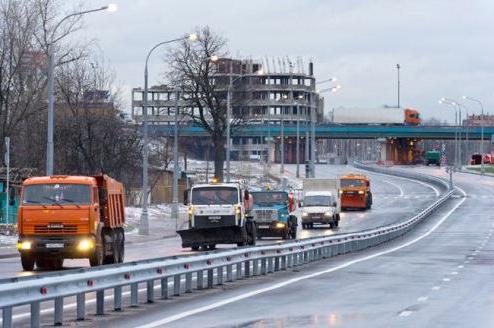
(316,217)
(54,245)
(263,227)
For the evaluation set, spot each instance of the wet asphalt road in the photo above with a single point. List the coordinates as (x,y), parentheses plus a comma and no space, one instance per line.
(439,275)
(394,200)
(395,289)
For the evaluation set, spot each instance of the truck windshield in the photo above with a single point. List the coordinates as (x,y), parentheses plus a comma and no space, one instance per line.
(269,197)
(49,194)
(317,201)
(214,196)
(351,183)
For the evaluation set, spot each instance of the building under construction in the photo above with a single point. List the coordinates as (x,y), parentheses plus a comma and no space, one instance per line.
(268,91)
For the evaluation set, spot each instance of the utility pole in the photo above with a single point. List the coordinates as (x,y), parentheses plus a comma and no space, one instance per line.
(398,71)
(174,209)
(7,191)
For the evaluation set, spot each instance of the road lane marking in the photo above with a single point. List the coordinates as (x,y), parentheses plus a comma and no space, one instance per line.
(250,294)
(422,299)
(405,313)
(446,279)
(396,186)
(461,267)
(436,288)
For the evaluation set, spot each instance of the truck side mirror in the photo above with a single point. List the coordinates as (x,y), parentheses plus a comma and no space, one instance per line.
(12,197)
(246,195)
(186,197)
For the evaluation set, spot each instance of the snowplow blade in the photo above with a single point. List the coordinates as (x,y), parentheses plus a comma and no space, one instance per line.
(212,236)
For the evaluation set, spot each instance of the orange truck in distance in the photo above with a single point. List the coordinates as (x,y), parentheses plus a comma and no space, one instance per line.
(355,191)
(71,217)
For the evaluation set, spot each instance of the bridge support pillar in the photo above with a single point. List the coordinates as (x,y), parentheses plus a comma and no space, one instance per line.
(399,150)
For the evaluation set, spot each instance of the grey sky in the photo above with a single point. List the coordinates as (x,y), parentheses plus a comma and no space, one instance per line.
(444,47)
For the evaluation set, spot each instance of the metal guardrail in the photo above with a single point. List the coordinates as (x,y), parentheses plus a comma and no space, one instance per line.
(206,269)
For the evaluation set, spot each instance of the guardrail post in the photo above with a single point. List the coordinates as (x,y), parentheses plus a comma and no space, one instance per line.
(239,270)
(100,302)
(283,262)
(150,291)
(263,265)
(210,278)
(276,263)
(255,267)
(188,282)
(34,314)
(176,285)
(81,306)
(7,317)
(247,268)
(200,279)
(219,275)
(270,264)
(229,273)
(134,295)
(58,317)
(117,298)
(164,288)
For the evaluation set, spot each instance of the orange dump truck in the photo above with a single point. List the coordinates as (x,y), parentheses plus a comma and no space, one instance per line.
(71,217)
(355,191)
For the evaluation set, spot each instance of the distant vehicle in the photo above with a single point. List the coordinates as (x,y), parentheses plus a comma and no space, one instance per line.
(375,116)
(218,215)
(355,191)
(71,217)
(432,157)
(254,157)
(476,159)
(271,211)
(321,202)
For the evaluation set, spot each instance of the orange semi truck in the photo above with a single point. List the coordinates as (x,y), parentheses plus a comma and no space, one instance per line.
(355,191)
(71,217)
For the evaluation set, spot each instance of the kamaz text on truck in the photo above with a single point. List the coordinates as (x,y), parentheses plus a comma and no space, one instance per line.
(321,203)
(71,217)
(355,191)
(218,215)
(272,213)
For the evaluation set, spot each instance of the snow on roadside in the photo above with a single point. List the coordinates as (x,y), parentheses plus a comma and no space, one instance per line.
(6,240)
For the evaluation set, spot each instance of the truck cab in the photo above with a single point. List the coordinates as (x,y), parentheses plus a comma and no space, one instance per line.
(272,212)
(218,214)
(321,202)
(355,191)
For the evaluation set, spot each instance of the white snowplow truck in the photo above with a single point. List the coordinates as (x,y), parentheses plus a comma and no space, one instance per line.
(321,203)
(218,214)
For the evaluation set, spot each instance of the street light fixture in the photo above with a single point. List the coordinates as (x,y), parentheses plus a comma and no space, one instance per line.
(51,67)
(482,168)
(144,222)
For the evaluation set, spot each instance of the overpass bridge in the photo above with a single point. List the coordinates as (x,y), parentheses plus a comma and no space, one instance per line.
(331,131)
(399,143)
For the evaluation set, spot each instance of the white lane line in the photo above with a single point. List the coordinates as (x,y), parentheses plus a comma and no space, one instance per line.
(436,287)
(405,313)
(446,279)
(461,267)
(422,299)
(237,298)
(454,273)
(396,186)
(436,191)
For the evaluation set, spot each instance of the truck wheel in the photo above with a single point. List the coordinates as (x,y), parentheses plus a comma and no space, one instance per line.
(212,247)
(27,261)
(121,253)
(96,259)
(304,226)
(240,244)
(195,248)
(111,246)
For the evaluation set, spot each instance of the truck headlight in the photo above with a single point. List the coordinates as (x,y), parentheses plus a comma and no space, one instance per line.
(24,246)
(238,210)
(361,192)
(190,211)
(305,214)
(328,213)
(85,245)
(280,225)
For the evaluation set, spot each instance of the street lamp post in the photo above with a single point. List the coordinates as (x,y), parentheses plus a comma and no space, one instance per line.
(50,73)
(482,168)
(455,105)
(144,222)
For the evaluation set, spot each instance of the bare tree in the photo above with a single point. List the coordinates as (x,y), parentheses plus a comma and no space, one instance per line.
(192,71)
